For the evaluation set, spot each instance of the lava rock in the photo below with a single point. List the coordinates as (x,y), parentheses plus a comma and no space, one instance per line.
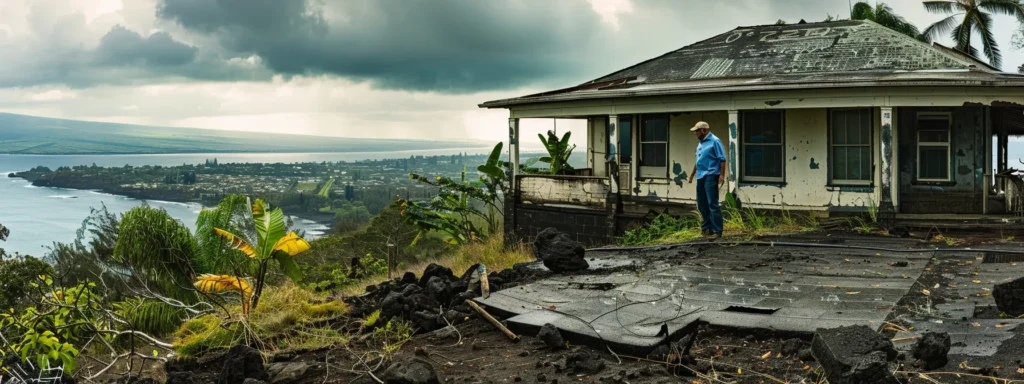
(559,252)
(412,371)
(181,378)
(408,278)
(180,364)
(439,289)
(424,321)
(420,302)
(584,362)
(240,363)
(392,305)
(436,270)
(253,381)
(455,317)
(551,337)
(792,346)
(854,354)
(461,298)
(806,355)
(901,264)
(932,349)
(1010,297)
(410,290)
(282,357)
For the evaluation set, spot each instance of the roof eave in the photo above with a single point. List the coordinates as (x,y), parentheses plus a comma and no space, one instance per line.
(506,103)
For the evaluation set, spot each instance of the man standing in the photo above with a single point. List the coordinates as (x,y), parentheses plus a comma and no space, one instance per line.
(709,170)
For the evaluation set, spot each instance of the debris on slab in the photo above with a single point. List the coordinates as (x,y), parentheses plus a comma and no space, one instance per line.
(559,252)
(1009,297)
(854,354)
(932,349)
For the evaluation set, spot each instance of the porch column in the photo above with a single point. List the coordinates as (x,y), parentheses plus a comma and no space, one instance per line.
(612,165)
(734,148)
(886,205)
(513,151)
(612,160)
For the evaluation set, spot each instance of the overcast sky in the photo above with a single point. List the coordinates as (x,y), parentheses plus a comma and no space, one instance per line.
(354,68)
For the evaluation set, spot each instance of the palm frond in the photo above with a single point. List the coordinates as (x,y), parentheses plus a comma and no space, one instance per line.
(941,28)
(232,214)
(982,25)
(948,6)
(270,226)
(1004,7)
(885,16)
(961,35)
(236,242)
(222,283)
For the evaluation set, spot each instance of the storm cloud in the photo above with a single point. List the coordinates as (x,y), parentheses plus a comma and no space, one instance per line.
(121,46)
(443,46)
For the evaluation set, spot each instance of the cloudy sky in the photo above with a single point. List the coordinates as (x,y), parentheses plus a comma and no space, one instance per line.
(354,68)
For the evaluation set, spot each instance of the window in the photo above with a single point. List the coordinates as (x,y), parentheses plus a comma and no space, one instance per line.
(933,146)
(624,147)
(654,146)
(762,143)
(850,146)
(625,139)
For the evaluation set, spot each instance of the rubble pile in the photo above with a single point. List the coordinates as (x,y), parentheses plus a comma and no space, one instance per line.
(434,299)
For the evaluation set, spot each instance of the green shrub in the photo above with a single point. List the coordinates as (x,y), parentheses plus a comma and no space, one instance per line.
(662,226)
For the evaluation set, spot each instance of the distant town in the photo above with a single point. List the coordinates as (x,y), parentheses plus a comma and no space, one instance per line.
(335,193)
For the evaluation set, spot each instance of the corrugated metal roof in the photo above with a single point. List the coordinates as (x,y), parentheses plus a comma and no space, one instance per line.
(815,55)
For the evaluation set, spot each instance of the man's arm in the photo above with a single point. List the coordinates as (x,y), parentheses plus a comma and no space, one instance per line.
(692,173)
(721,172)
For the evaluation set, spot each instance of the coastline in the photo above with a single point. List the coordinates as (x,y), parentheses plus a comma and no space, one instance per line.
(327,220)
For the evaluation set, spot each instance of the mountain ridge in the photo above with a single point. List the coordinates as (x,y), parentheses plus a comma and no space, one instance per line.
(34,135)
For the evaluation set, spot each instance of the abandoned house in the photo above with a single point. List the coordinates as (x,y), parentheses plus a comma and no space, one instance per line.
(829,118)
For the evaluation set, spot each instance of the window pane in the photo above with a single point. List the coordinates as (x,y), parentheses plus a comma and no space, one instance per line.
(865,127)
(751,125)
(772,125)
(839,127)
(653,155)
(863,168)
(655,128)
(933,136)
(933,123)
(839,166)
(625,146)
(934,162)
(762,160)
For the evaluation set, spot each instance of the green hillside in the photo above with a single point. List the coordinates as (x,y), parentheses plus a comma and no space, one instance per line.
(21,134)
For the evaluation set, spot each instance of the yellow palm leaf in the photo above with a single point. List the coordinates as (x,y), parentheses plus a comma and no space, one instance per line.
(221,283)
(236,242)
(291,244)
(259,207)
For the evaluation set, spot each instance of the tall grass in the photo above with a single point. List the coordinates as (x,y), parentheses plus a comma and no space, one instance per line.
(738,222)
(491,253)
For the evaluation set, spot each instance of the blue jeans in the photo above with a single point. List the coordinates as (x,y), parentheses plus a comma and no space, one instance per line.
(707,204)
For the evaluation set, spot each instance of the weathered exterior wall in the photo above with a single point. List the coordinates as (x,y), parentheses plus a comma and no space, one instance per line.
(681,151)
(806,185)
(963,193)
(568,190)
(597,145)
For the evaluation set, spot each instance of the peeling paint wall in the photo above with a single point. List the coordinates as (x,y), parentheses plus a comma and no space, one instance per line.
(578,190)
(806,185)
(963,193)
(597,145)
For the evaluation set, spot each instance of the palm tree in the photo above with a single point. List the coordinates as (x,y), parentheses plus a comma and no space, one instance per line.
(968,17)
(883,14)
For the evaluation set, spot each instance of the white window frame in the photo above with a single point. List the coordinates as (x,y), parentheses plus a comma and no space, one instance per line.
(648,171)
(949,137)
(869,145)
(781,144)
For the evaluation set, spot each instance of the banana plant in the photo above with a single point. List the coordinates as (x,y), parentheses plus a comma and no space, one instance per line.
(558,152)
(269,243)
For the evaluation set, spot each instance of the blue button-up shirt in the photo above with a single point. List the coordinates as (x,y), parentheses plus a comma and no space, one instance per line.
(710,155)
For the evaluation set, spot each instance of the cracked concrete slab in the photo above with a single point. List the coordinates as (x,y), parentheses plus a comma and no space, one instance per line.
(667,291)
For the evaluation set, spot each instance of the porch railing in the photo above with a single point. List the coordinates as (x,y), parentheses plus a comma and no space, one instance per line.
(581,191)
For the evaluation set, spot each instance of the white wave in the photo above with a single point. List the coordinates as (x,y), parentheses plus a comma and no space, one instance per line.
(29,186)
(168,203)
(63,196)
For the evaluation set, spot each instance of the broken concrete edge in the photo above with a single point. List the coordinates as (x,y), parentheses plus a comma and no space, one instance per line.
(592,339)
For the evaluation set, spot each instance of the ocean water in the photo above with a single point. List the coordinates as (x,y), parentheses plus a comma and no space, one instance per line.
(37,217)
